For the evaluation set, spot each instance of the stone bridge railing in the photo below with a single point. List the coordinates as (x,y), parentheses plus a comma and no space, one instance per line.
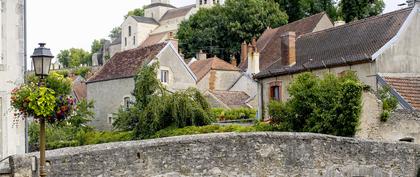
(231,154)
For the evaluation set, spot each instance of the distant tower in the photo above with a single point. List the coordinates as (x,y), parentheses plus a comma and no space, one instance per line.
(410,3)
(157,9)
(207,3)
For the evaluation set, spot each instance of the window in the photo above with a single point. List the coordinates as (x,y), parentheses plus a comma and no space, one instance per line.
(125,41)
(164,76)
(275,92)
(110,119)
(205,1)
(127,102)
(129,30)
(201,2)
(134,40)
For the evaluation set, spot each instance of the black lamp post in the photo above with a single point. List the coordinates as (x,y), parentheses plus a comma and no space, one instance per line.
(42,61)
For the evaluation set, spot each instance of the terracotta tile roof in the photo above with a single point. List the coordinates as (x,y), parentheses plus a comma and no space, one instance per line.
(178,12)
(269,46)
(408,88)
(80,90)
(232,99)
(125,64)
(154,39)
(202,67)
(352,43)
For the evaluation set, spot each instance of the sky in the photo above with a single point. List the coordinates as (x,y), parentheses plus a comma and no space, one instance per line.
(64,24)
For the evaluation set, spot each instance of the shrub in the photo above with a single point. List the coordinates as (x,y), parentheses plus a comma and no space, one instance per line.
(82,71)
(234,114)
(331,105)
(389,103)
(156,108)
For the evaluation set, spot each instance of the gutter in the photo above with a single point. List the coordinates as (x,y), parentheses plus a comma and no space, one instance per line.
(25,48)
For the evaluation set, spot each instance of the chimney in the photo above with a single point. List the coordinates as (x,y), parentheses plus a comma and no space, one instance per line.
(173,41)
(288,48)
(254,42)
(253,60)
(244,52)
(201,55)
(233,61)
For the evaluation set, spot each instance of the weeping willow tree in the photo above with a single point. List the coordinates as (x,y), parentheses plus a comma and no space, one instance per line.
(156,108)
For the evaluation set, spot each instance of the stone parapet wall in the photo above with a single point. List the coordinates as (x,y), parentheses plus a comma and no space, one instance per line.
(232,154)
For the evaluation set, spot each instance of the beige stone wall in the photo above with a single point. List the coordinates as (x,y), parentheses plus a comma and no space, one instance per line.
(402,55)
(323,24)
(232,155)
(401,124)
(108,97)
(138,30)
(218,80)
(12,137)
(180,77)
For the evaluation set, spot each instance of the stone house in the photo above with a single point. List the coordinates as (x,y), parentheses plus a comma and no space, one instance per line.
(112,85)
(216,78)
(12,68)
(382,50)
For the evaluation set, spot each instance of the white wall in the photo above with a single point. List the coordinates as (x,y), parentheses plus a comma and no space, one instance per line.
(140,30)
(402,55)
(12,137)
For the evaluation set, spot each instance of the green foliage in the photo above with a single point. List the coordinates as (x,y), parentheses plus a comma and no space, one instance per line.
(330,105)
(115,33)
(74,57)
(192,130)
(52,102)
(220,30)
(352,10)
(156,108)
(64,58)
(42,102)
(96,45)
(135,12)
(298,9)
(234,114)
(389,103)
(82,71)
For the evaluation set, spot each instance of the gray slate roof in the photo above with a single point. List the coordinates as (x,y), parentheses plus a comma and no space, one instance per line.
(145,20)
(352,43)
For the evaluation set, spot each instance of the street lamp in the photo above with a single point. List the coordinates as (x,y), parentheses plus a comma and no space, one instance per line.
(42,60)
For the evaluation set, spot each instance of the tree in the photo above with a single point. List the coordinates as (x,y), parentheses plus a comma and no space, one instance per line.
(64,58)
(135,12)
(115,33)
(298,9)
(352,10)
(220,30)
(79,56)
(155,108)
(97,45)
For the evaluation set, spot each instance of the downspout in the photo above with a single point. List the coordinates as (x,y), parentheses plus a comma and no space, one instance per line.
(24,69)
(261,117)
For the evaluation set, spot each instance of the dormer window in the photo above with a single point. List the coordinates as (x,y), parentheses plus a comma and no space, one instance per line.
(129,30)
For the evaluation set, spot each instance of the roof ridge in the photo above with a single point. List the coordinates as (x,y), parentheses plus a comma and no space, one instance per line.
(300,20)
(357,22)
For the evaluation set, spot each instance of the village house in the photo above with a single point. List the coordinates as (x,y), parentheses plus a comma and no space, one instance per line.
(382,50)
(111,87)
(12,67)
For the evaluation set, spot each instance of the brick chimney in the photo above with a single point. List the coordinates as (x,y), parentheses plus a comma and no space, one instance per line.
(244,52)
(233,61)
(253,59)
(173,41)
(288,48)
(201,55)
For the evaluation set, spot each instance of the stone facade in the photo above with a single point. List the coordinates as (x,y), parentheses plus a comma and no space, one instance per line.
(109,95)
(133,33)
(12,137)
(232,154)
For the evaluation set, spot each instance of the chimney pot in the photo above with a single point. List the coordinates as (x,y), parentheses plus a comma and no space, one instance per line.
(202,55)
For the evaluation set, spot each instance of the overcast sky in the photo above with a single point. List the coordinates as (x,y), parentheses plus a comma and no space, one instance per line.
(64,24)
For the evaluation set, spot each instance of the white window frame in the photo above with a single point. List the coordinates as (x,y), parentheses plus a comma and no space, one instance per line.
(164,76)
